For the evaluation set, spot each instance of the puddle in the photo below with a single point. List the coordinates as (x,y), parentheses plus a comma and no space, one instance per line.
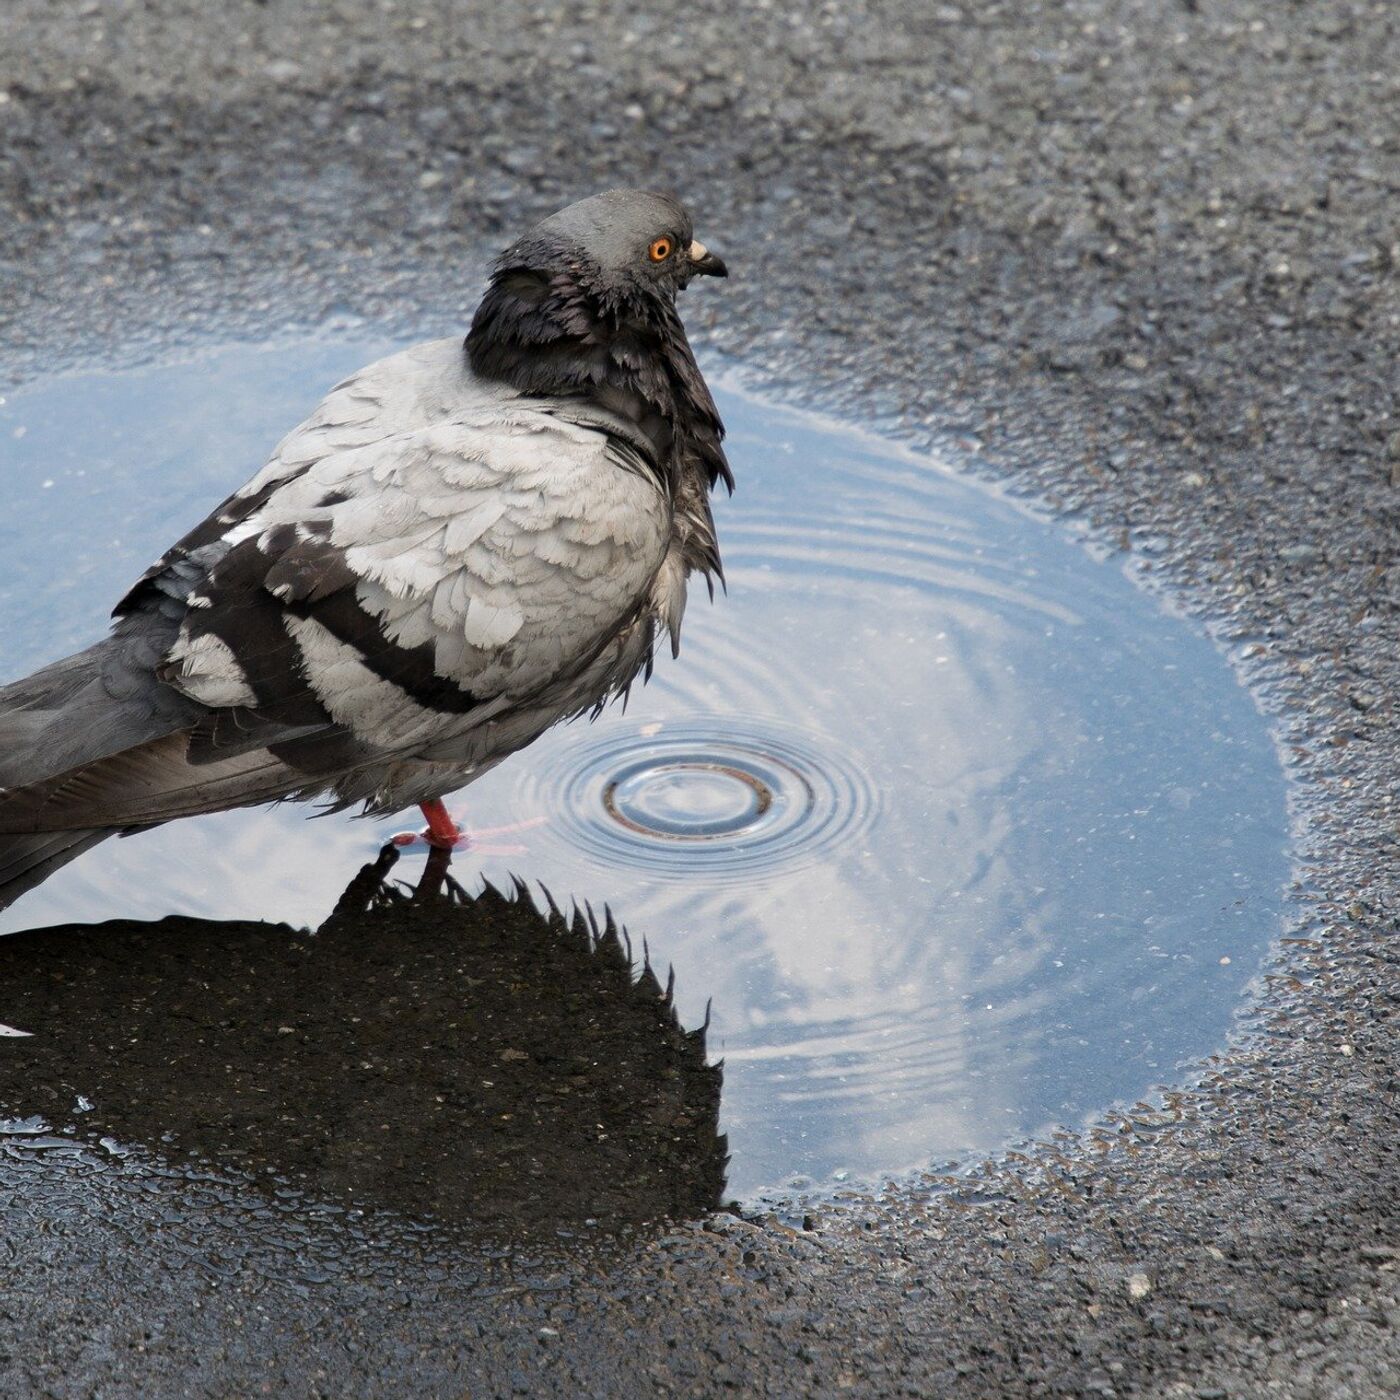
(959,834)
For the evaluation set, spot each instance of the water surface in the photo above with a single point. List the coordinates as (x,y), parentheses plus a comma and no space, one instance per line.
(957,832)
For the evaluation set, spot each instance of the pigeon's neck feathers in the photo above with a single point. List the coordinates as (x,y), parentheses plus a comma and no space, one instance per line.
(552,334)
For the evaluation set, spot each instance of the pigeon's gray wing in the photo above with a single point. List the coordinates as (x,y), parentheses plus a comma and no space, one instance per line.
(109,700)
(430,576)
(384,602)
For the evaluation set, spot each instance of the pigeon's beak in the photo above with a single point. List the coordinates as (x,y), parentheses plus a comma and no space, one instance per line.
(705,263)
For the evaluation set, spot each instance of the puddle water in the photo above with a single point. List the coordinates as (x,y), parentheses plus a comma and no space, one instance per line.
(957,832)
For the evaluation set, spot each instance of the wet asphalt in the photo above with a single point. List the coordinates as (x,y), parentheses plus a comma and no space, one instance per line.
(1138,261)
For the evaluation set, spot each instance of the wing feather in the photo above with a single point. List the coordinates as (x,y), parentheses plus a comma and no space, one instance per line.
(489,554)
(424,554)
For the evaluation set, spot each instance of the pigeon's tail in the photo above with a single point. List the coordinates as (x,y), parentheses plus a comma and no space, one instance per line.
(95,745)
(74,713)
(26,861)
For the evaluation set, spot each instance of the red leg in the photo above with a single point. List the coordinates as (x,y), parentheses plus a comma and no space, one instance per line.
(442,831)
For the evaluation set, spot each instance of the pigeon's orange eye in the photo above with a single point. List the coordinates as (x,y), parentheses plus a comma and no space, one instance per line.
(660,249)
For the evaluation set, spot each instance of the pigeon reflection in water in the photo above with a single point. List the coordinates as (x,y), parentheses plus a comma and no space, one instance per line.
(443,1057)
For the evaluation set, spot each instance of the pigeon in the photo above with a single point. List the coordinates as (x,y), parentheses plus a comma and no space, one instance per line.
(463,545)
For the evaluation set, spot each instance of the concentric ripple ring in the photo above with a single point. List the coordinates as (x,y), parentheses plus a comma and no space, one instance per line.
(690,798)
(727,796)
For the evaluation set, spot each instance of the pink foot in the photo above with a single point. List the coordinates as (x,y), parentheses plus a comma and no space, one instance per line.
(442,833)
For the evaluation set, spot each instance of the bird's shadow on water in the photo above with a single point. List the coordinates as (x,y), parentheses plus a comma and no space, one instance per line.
(469,1060)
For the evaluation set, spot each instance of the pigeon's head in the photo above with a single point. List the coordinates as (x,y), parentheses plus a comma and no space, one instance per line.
(624,244)
(584,304)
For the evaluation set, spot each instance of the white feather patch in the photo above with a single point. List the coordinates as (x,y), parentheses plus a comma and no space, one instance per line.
(491,625)
(464,530)
(373,709)
(244,530)
(209,672)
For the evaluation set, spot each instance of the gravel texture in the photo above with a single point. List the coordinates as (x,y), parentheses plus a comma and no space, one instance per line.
(1138,260)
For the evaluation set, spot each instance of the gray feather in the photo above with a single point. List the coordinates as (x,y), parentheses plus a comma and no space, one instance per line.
(26,861)
(87,707)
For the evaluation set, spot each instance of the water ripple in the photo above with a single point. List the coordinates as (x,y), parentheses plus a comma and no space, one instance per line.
(726,797)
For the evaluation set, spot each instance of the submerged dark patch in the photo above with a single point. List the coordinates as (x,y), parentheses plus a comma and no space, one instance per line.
(462,1060)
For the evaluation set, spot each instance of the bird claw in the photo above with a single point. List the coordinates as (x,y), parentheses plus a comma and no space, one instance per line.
(428,840)
(441,834)
(425,839)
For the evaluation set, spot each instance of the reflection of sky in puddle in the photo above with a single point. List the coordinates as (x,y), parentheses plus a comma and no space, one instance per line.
(1070,814)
